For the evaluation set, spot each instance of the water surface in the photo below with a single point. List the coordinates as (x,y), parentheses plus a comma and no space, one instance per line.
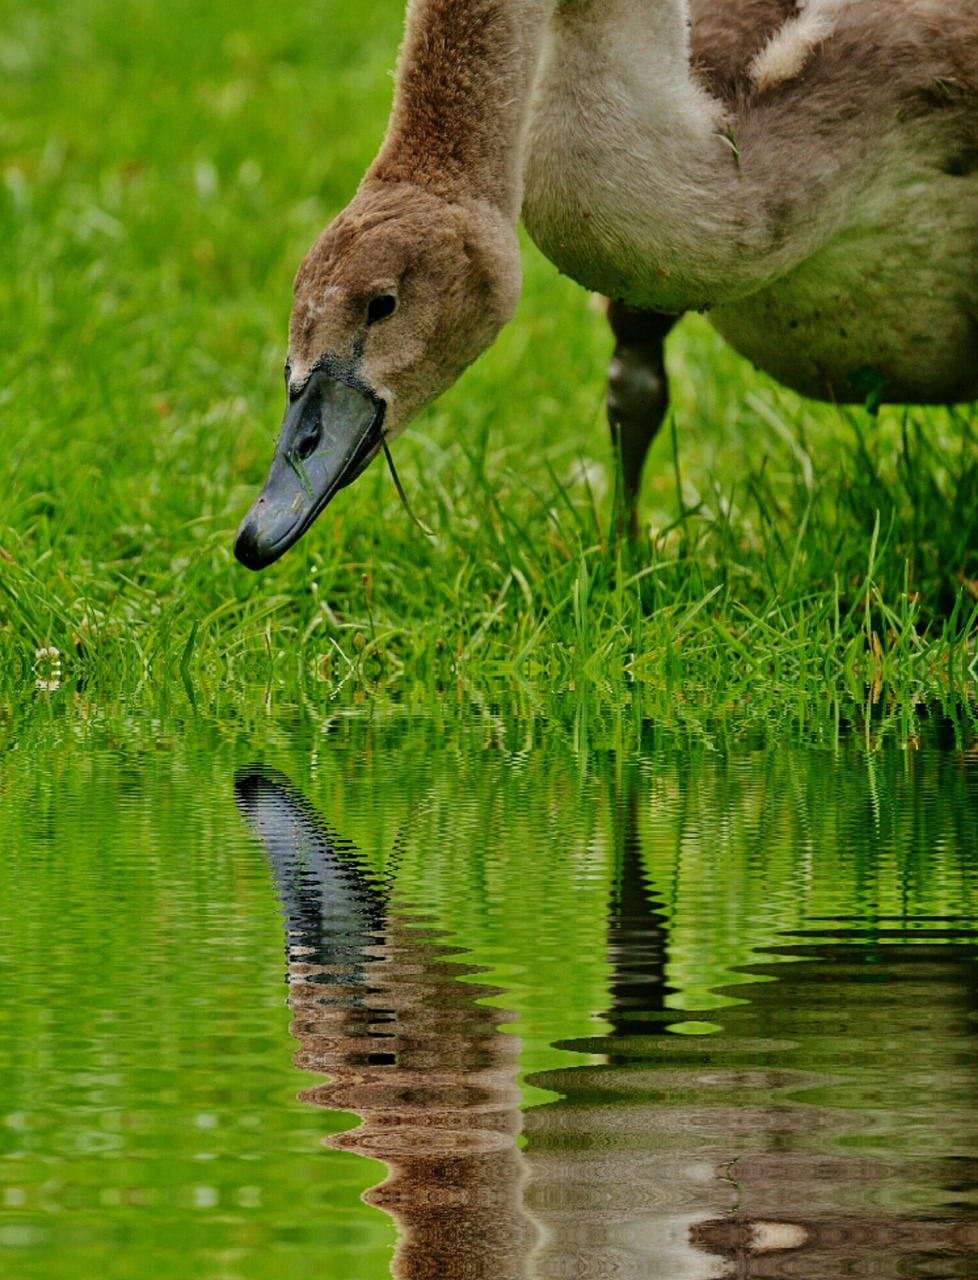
(486,991)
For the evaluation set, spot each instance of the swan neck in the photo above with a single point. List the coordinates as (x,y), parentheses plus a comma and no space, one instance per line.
(462,96)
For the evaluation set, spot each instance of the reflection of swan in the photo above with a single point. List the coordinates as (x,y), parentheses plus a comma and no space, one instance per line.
(378,1008)
(680,1157)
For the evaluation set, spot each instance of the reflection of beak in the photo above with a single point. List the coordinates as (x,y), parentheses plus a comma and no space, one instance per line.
(330,432)
(333,907)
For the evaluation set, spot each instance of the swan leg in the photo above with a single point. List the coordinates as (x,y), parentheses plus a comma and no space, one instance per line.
(638,391)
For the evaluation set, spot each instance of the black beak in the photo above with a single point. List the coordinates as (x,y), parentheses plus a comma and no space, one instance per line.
(331,430)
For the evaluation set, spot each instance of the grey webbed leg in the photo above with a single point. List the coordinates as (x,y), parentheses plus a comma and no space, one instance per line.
(638,391)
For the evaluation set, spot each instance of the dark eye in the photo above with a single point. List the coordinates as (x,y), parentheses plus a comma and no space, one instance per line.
(384,305)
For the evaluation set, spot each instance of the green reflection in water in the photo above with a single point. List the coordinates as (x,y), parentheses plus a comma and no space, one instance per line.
(601,881)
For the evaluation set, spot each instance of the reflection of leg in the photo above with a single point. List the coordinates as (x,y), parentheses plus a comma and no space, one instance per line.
(638,393)
(638,936)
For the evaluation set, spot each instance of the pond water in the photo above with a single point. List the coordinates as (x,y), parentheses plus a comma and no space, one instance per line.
(479,989)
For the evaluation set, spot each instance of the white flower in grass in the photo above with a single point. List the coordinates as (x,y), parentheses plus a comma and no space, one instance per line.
(49,662)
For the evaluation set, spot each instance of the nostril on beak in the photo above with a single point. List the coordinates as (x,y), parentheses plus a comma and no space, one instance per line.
(306,444)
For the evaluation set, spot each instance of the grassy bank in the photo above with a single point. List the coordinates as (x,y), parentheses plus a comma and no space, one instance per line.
(165,167)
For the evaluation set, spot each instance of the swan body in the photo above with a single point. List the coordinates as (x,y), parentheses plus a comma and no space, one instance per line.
(806,173)
(841,236)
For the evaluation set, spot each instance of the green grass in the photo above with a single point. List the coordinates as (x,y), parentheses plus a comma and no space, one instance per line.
(165,166)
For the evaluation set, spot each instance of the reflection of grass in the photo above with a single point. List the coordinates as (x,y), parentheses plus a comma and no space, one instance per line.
(163,176)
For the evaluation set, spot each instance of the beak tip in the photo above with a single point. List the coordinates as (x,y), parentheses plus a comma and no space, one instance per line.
(250,548)
(330,432)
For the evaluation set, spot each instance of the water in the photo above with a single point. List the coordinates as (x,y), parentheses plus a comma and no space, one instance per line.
(486,991)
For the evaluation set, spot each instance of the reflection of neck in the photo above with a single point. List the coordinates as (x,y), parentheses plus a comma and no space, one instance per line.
(377,1008)
(434,1081)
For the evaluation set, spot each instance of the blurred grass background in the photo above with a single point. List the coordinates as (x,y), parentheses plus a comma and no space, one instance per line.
(165,167)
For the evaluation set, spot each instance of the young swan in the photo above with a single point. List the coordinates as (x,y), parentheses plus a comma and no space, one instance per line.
(806,171)
(397,296)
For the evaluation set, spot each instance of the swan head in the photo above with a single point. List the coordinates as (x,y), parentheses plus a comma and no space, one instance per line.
(397,296)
